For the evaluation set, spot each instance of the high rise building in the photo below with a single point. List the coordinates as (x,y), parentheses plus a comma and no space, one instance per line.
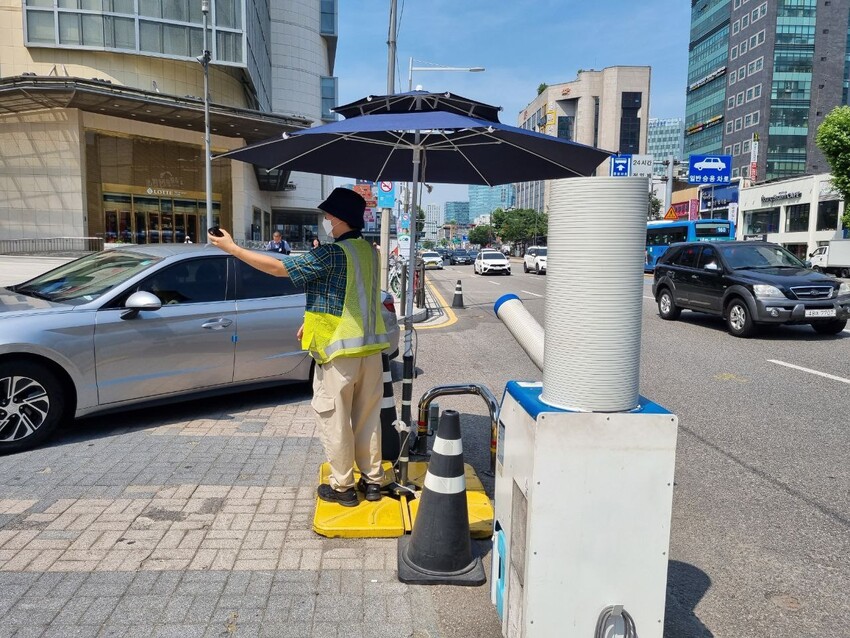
(433,221)
(665,138)
(761,78)
(483,200)
(102,123)
(604,108)
(458,212)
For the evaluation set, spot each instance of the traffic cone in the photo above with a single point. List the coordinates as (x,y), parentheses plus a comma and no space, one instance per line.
(390,446)
(457,302)
(439,551)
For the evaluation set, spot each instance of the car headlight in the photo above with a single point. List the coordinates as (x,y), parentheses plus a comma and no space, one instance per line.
(844,289)
(763,290)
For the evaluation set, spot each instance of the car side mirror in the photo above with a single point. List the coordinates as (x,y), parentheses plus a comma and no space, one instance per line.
(807,263)
(712,266)
(811,254)
(138,301)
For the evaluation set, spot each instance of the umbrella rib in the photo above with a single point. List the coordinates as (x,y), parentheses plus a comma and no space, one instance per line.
(468,161)
(309,151)
(538,155)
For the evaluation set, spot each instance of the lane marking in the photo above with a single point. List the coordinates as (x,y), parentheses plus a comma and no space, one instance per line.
(445,307)
(816,372)
(648,297)
(494,283)
(528,292)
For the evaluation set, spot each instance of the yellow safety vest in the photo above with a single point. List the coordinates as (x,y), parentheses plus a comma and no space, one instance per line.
(360,330)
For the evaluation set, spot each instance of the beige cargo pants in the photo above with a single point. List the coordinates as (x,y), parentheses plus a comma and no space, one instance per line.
(347,393)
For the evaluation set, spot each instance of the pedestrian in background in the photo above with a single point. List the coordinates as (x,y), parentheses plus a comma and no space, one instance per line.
(344,332)
(315,243)
(278,244)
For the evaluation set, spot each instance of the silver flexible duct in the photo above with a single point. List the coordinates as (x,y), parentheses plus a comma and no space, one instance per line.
(525,329)
(594,293)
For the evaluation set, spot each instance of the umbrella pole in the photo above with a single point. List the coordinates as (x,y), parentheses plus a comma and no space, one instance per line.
(407,382)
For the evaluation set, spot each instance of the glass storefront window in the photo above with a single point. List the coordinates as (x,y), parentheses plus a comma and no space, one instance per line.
(797,218)
(758,222)
(296,228)
(828,215)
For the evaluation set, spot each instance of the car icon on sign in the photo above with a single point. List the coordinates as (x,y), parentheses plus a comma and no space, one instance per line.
(710,162)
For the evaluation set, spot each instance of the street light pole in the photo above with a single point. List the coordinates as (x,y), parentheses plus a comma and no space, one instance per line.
(411,69)
(205,61)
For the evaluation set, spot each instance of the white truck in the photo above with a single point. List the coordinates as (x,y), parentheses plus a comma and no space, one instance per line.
(832,258)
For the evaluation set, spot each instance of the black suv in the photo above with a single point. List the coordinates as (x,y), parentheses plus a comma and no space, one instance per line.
(748,283)
(460,257)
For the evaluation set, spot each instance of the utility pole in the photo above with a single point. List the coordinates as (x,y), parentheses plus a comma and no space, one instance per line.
(205,61)
(668,191)
(386,213)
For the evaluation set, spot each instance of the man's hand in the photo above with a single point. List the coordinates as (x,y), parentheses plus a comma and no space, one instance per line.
(300,333)
(225,242)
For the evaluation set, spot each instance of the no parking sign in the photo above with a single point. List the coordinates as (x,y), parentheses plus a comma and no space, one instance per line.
(386,194)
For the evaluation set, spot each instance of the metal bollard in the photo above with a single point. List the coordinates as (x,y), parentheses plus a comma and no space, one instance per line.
(403,295)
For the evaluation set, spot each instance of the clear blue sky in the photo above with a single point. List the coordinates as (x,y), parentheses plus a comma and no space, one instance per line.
(520,43)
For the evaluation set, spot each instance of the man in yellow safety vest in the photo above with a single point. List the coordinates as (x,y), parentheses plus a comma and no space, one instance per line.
(344,332)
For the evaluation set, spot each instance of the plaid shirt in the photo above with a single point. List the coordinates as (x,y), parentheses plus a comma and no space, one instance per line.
(322,272)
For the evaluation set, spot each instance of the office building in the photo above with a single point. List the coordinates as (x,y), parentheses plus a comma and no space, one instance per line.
(606,108)
(102,116)
(433,221)
(761,78)
(457,212)
(665,138)
(483,200)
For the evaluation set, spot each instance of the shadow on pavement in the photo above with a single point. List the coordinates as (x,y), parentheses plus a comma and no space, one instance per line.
(686,585)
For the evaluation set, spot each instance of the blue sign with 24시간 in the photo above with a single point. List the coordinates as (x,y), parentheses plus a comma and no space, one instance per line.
(710,169)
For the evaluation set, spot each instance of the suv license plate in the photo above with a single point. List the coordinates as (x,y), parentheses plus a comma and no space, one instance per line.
(826,312)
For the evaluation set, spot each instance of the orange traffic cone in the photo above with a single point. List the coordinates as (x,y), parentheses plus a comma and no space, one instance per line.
(439,551)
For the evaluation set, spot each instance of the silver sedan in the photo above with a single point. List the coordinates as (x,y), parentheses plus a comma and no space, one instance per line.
(143,324)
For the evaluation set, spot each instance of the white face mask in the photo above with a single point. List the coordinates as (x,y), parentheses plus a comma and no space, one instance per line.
(328,226)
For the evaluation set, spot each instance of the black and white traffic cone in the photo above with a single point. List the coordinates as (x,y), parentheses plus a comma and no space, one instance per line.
(457,302)
(439,551)
(390,446)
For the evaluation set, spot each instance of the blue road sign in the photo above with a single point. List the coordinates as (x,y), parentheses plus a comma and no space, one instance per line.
(463,237)
(386,194)
(710,169)
(620,166)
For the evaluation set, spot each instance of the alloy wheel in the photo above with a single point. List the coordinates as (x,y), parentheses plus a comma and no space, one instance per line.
(24,406)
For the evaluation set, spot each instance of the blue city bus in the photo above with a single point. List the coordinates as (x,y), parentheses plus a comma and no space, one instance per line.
(660,234)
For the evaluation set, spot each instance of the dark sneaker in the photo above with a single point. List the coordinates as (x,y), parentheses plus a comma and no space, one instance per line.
(371,490)
(347,498)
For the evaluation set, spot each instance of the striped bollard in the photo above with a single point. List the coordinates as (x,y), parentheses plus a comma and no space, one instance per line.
(390,446)
(439,551)
(457,301)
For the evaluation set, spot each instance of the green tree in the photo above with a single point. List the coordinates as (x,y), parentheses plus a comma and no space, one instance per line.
(482,235)
(833,139)
(420,220)
(542,87)
(427,244)
(654,209)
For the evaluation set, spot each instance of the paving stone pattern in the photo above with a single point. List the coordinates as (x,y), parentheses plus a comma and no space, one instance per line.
(184,522)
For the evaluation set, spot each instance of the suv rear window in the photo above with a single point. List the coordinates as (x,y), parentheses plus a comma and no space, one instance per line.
(687,257)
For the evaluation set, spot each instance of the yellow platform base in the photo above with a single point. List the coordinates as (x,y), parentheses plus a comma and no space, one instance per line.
(392,517)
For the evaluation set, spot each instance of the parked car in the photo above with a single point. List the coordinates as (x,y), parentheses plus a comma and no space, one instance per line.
(460,256)
(748,284)
(535,260)
(491,261)
(445,253)
(432,259)
(142,324)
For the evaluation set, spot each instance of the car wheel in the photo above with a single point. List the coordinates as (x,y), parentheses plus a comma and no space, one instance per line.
(738,319)
(537,269)
(667,307)
(32,404)
(817,268)
(524,267)
(830,327)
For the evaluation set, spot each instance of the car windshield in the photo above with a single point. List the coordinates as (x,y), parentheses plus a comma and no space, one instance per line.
(86,279)
(494,256)
(541,252)
(432,255)
(758,256)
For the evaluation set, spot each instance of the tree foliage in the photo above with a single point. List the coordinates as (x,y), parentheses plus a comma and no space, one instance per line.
(654,208)
(482,235)
(542,87)
(524,226)
(833,139)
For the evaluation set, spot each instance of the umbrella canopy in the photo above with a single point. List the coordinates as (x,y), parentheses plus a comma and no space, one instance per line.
(419,101)
(454,149)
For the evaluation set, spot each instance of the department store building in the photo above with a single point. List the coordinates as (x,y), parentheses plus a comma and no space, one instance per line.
(102,116)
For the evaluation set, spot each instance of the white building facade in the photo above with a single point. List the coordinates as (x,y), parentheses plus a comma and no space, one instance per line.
(800,213)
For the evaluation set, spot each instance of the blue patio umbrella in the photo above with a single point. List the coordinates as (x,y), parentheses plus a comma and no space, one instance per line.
(418,136)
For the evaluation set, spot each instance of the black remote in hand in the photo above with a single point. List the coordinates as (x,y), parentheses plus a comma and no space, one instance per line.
(215,231)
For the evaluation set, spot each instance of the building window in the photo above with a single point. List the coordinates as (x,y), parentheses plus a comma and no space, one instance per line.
(736,172)
(736,149)
(760,222)
(328,24)
(730,103)
(733,76)
(739,99)
(748,120)
(733,53)
(329,98)
(745,147)
(727,150)
(742,73)
(730,128)
(736,26)
(745,21)
(743,47)
(796,218)
(828,215)
(738,123)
